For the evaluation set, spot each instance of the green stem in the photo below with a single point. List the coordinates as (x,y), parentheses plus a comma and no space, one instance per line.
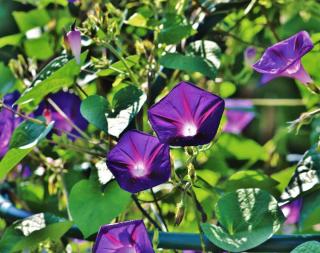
(123,60)
(198,218)
(36,121)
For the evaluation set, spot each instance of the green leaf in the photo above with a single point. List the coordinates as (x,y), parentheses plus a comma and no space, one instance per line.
(119,67)
(241,148)
(27,233)
(11,40)
(174,34)
(31,19)
(189,63)
(306,176)
(250,179)
(307,247)
(309,215)
(94,109)
(32,48)
(7,79)
(126,103)
(138,20)
(63,77)
(90,208)
(43,3)
(247,218)
(51,68)
(28,134)
(11,159)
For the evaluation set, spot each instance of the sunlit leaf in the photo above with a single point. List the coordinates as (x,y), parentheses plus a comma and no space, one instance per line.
(31,19)
(11,40)
(11,159)
(247,218)
(307,247)
(126,104)
(306,176)
(28,134)
(27,233)
(119,67)
(63,77)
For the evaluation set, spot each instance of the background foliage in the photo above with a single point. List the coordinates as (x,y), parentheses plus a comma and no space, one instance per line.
(133,53)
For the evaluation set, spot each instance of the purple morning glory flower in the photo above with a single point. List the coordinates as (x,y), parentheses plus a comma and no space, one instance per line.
(124,237)
(70,104)
(239,115)
(139,162)
(292,211)
(187,116)
(8,122)
(73,41)
(284,59)
(250,55)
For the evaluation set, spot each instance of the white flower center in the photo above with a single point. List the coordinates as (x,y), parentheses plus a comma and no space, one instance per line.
(139,170)
(189,129)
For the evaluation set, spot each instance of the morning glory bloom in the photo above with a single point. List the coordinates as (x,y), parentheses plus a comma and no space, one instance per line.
(70,104)
(250,55)
(239,115)
(124,237)
(187,116)
(139,161)
(292,211)
(8,122)
(284,59)
(73,41)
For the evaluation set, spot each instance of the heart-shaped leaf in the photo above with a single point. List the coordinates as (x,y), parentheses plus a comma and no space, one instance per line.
(90,208)
(306,176)
(126,103)
(247,218)
(27,233)
(94,109)
(307,247)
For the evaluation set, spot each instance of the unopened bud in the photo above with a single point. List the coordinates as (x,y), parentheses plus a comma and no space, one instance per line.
(192,173)
(179,213)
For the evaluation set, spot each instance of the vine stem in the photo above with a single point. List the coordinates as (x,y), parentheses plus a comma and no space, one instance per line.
(123,60)
(198,219)
(159,209)
(192,153)
(77,148)
(145,213)
(37,121)
(59,110)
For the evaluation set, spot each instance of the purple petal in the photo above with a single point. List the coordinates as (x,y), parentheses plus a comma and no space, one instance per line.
(8,122)
(70,104)
(187,116)
(124,237)
(292,211)
(73,39)
(139,162)
(239,115)
(284,59)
